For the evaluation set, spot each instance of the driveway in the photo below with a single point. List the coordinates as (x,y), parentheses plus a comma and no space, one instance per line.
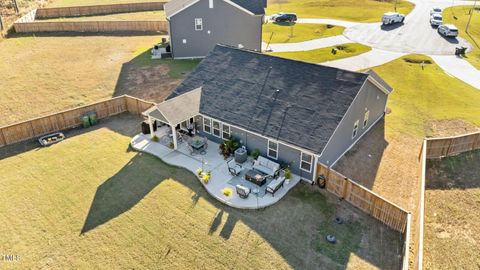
(414,36)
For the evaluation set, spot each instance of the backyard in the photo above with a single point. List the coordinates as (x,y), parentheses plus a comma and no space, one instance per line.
(49,73)
(297,32)
(349,10)
(459,16)
(125,209)
(452,204)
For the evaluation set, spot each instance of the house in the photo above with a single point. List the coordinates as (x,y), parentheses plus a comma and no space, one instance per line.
(196,26)
(295,113)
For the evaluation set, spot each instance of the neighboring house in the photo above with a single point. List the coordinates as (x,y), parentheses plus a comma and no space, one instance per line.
(196,26)
(293,112)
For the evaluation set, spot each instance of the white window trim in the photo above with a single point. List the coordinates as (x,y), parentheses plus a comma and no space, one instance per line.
(268,149)
(309,163)
(210,126)
(219,129)
(199,24)
(355,129)
(365,119)
(229,131)
(210,3)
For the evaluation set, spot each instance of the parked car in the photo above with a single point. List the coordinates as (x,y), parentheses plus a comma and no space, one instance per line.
(285,17)
(436,19)
(392,17)
(435,10)
(448,30)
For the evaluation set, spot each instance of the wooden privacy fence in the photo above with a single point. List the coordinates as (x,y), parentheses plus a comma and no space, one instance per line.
(450,146)
(91,26)
(69,119)
(387,212)
(44,13)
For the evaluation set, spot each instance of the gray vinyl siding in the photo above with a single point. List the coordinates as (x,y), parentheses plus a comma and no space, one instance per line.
(227,25)
(286,154)
(342,139)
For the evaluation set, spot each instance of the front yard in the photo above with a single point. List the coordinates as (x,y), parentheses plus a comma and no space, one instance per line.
(298,32)
(452,204)
(91,199)
(348,10)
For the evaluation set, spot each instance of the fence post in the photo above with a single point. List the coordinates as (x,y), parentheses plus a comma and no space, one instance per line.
(345,188)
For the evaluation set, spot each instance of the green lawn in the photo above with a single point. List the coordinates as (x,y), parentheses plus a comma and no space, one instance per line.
(325,54)
(287,33)
(421,96)
(459,17)
(91,202)
(68,3)
(349,10)
(45,74)
(158,15)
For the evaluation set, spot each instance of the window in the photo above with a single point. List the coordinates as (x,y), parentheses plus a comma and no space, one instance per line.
(225,132)
(306,162)
(210,3)
(216,128)
(365,119)
(207,125)
(198,24)
(272,151)
(355,129)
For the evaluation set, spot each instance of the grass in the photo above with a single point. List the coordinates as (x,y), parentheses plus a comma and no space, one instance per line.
(282,32)
(51,73)
(112,207)
(452,223)
(459,17)
(349,10)
(68,3)
(421,96)
(325,54)
(158,15)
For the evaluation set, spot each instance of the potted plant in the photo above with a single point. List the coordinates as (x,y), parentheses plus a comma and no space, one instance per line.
(255,153)
(288,175)
(227,192)
(171,145)
(155,138)
(199,172)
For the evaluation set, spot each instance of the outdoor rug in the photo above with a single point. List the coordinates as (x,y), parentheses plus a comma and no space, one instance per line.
(240,180)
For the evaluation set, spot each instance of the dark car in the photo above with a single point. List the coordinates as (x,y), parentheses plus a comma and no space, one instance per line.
(286,17)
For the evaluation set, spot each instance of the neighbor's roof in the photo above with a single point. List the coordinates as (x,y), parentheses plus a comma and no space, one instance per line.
(240,87)
(257,7)
(377,78)
(178,109)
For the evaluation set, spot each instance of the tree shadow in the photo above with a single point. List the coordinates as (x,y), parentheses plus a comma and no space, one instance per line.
(456,172)
(13,34)
(362,162)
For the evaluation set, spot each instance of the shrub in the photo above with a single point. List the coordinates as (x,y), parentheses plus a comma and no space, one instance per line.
(171,145)
(288,173)
(227,192)
(417,60)
(255,153)
(199,172)
(155,138)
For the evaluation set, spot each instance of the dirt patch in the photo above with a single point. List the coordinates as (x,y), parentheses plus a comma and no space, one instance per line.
(149,82)
(444,128)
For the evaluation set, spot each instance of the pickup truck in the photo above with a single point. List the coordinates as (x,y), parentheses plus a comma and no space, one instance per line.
(392,17)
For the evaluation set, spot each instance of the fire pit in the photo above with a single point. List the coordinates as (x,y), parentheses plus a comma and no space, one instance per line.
(51,138)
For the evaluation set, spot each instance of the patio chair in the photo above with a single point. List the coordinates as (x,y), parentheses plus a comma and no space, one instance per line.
(190,149)
(242,191)
(234,168)
(204,149)
(275,185)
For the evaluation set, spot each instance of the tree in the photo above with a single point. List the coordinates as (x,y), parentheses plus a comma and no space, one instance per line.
(1,23)
(15,6)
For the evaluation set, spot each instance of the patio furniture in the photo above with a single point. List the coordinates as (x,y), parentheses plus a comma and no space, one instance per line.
(190,149)
(204,149)
(266,166)
(241,155)
(234,168)
(242,191)
(256,177)
(197,142)
(275,185)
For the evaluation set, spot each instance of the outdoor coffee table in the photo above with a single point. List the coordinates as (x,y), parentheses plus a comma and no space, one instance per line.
(255,177)
(197,142)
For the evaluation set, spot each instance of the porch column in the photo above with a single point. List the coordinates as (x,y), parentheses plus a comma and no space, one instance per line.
(174,136)
(150,124)
(315,168)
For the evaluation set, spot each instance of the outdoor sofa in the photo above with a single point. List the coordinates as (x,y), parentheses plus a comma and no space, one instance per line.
(275,185)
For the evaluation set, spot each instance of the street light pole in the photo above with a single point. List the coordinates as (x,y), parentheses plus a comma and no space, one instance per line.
(471,14)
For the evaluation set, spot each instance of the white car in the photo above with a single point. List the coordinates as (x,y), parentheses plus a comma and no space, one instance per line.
(392,17)
(448,30)
(436,19)
(435,10)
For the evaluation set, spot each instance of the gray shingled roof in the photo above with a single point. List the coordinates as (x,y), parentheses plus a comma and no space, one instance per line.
(291,101)
(255,6)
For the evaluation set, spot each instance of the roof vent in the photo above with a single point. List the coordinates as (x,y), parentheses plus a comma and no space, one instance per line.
(277,91)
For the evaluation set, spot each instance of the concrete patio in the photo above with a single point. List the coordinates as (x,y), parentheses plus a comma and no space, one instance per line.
(212,161)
